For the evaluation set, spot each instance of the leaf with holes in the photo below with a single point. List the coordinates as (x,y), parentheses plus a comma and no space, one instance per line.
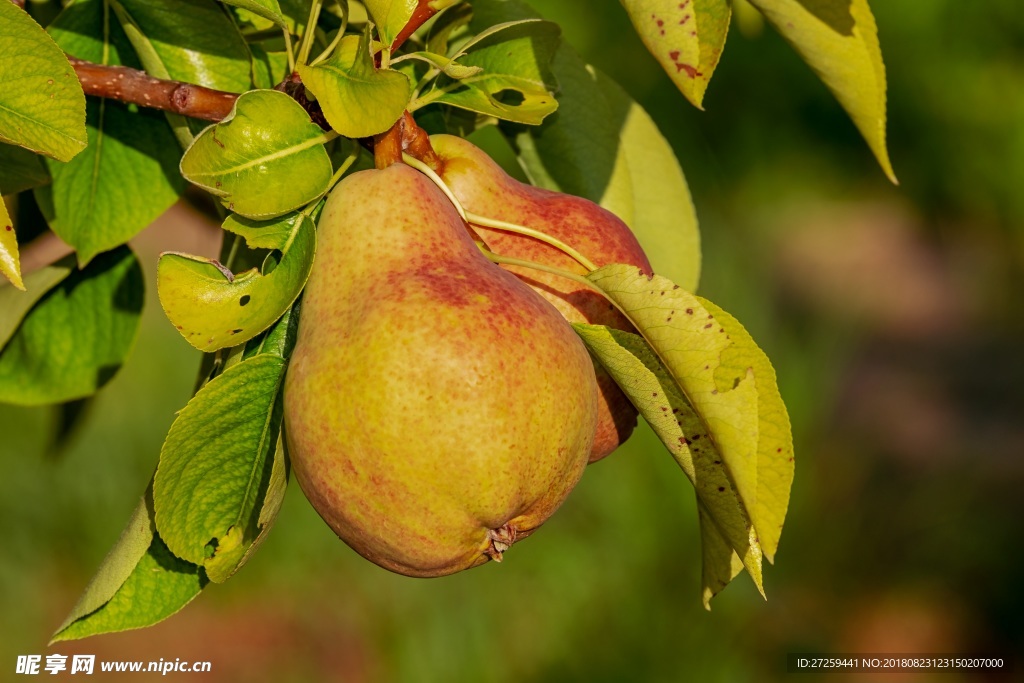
(216,466)
(139,584)
(76,337)
(685,36)
(128,175)
(651,388)
(10,262)
(42,106)
(515,82)
(348,80)
(264,160)
(214,309)
(839,40)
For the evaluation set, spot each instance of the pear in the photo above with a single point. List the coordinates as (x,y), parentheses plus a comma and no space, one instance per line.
(436,409)
(483,188)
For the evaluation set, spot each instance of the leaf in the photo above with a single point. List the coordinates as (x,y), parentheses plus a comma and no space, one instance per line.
(348,80)
(515,83)
(139,584)
(603,146)
(839,40)
(685,36)
(10,262)
(775,462)
(719,562)
(449,67)
(127,177)
(117,566)
(14,304)
(651,388)
(691,344)
(265,159)
(20,170)
(663,216)
(77,336)
(194,41)
(213,311)
(214,468)
(42,106)
(390,17)
(268,9)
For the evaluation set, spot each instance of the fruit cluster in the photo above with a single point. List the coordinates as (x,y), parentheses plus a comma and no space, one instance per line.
(439,407)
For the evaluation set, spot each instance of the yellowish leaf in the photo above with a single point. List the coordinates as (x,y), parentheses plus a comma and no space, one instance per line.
(839,40)
(685,36)
(10,264)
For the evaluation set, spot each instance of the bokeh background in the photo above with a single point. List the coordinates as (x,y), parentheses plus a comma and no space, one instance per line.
(893,316)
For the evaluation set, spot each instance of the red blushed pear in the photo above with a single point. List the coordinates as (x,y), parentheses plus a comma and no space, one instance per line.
(483,188)
(436,409)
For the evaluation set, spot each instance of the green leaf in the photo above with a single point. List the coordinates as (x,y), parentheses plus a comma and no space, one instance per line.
(10,262)
(189,40)
(268,9)
(15,304)
(76,337)
(42,106)
(775,460)
(20,170)
(117,566)
(685,36)
(215,472)
(139,584)
(348,80)
(449,67)
(213,311)
(839,40)
(127,177)
(390,16)
(515,83)
(265,159)
(268,68)
(650,386)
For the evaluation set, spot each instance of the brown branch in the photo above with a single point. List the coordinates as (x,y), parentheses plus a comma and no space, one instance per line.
(137,87)
(19,3)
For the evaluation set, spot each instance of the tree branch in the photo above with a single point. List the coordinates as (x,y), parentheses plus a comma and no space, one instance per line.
(19,3)
(137,87)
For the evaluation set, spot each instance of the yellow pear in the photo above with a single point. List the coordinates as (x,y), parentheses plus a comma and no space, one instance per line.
(484,188)
(436,409)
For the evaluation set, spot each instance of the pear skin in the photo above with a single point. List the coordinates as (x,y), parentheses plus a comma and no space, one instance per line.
(436,409)
(485,189)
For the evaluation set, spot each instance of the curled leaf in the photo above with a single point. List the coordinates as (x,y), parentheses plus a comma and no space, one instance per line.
(214,308)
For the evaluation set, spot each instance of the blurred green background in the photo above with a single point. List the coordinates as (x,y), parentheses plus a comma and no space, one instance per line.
(893,316)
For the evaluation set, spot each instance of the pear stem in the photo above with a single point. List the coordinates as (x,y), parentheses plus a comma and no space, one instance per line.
(337,39)
(509,261)
(475,219)
(443,186)
(289,50)
(307,37)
